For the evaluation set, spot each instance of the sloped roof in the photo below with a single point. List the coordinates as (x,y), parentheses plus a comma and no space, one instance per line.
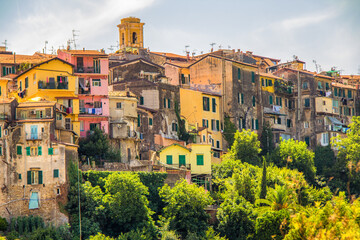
(85,52)
(174,144)
(19,58)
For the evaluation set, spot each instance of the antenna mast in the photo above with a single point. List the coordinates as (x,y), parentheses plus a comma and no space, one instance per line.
(212,46)
(5,44)
(74,35)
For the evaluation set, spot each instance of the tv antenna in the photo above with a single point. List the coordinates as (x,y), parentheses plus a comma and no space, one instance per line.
(5,44)
(194,52)
(112,47)
(44,50)
(186,49)
(316,66)
(229,47)
(212,46)
(74,37)
(220,46)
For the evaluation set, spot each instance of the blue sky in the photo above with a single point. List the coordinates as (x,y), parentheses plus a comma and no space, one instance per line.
(327,31)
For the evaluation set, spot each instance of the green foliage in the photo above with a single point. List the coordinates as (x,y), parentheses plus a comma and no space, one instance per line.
(295,155)
(324,159)
(182,133)
(263,181)
(185,208)
(266,139)
(3,224)
(243,185)
(229,131)
(96,146)
(236,218)
(125,199)
(272,225)
(338,219)
(246,147)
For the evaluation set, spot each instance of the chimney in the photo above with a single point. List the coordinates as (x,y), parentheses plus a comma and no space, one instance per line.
(14,58)
(238,50)
(187,55)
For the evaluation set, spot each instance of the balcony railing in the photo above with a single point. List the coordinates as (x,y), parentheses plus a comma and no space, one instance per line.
(187,166)
(53,85)
(92,111)
(87,70)
(34,136)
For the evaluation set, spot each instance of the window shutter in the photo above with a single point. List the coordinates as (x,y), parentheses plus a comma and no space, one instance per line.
(169,159)
(169,103)
(164,102)
(40,177)
(270,99)
(252,77)
(13,70)
(244,123)
(0,91)
(19,150)
(50,151)
(28,177)
(0,128)
(214,105)
(262,82)
(252,124)
(200,159)
(217,125)
(242,98)
(141,100)
(138,121)
(280,101)
(253,101)
(239,73)
(39,150)
(335,92)
(20,176)
(266,83)
(256,124)
(4,71)
(27,151)
(56,173)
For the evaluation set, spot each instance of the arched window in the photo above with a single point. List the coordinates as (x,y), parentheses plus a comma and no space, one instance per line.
(134,37)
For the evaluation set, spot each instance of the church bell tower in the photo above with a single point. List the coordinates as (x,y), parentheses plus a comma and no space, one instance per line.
(131,33)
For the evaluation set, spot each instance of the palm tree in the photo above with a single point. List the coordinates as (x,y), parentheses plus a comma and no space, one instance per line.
(278,199)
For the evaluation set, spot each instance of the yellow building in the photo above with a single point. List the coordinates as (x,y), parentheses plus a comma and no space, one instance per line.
(196,157)
(131,33)
(52,80)
(202,114)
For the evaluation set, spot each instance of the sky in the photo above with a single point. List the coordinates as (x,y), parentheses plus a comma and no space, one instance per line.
(325,31)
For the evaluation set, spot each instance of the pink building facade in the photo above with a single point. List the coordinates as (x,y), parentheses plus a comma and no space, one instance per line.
(92,69)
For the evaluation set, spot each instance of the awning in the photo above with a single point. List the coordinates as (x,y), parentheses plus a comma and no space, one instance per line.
(34,201)
(335,121)
(272,112)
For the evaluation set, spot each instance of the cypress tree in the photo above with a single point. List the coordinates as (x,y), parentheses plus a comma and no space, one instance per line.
(263,181)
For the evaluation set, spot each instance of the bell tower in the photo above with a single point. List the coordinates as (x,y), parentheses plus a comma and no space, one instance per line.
(131,33)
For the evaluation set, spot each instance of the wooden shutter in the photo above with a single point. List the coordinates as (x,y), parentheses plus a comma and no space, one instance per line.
(182,160)
(253,77)
(40,177)
(50,151)
(200,159)
(27,151)
(56,173)
(169,159)
(39,150)
(28,177)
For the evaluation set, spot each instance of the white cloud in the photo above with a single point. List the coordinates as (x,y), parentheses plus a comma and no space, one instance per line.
(53,22)
(304,21)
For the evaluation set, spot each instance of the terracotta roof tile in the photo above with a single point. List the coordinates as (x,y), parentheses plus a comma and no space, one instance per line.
(19,58)
(85,52)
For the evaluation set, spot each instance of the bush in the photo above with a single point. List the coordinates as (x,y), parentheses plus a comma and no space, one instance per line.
(3,224)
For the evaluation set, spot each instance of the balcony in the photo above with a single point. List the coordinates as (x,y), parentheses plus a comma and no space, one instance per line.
(53,85)
(92,111)
(283,88)
(187,166)
(34,136)
(87,70)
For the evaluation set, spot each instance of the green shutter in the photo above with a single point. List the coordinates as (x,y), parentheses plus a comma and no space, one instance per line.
(327,86)
(242,98)
(27,151)
(13,69)
(4,71)
(349,94)
(239,73)
(19,150)
(164,102)
(280,101)
(212,124)
(271,99)
(252,123)
(253,101)
(0,91)
(169,159)
(138,121)
(200,159)
(0,150)
(39,150)
(0,129)
(56,173)
(182,160)
(28,177)
(256,124)
(141,100)
(50,151)
(262,82)
(335,92)
(169,103)
(150,121)
(218,125)
(244,123)
(266,83)
(20,176)
(252,77)
(213,104)
(40,177)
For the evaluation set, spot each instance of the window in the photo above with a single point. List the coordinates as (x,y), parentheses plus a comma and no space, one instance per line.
(1,153)
(241,125)
(217,125)
(96,83)
(182,79)
(150,121)
(118,105)
(305,85)
(239,74)
(205,123)
(335,92)
(340,92)
(34,201)
(164,102)
(278,120)
(327,87)
(253,101)
(174,127)
(138,120)
(34,176)
(141,100)
(213,105)
(270,83)
(266,82)
(217,144)
(8,70)
(306,124)
(307,141)
(56,173)
(96,64)
(33,151)
(288,123)
(169,103)
(19,175)
(200,159)
(97,104)
(68,124)
(241,98)
(206,104)
(26,82)
(19,150)
(262,82)
(319,85)
(182,160)
(81,125)
(270,99)
(349,94)
(254,124)
(216,154)
(169,159)
(252,77)
(50,151)
(307,102)
(58,116)
(324,139)
(278,101)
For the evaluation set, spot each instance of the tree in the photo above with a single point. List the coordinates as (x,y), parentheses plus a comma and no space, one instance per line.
(96,146)
(246,147)
(185,208)
(272,225)
(229,131)
(126,204)
(236,218)
(263,181)
(295,155)
(324,159)
(266,139)
(182,133)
